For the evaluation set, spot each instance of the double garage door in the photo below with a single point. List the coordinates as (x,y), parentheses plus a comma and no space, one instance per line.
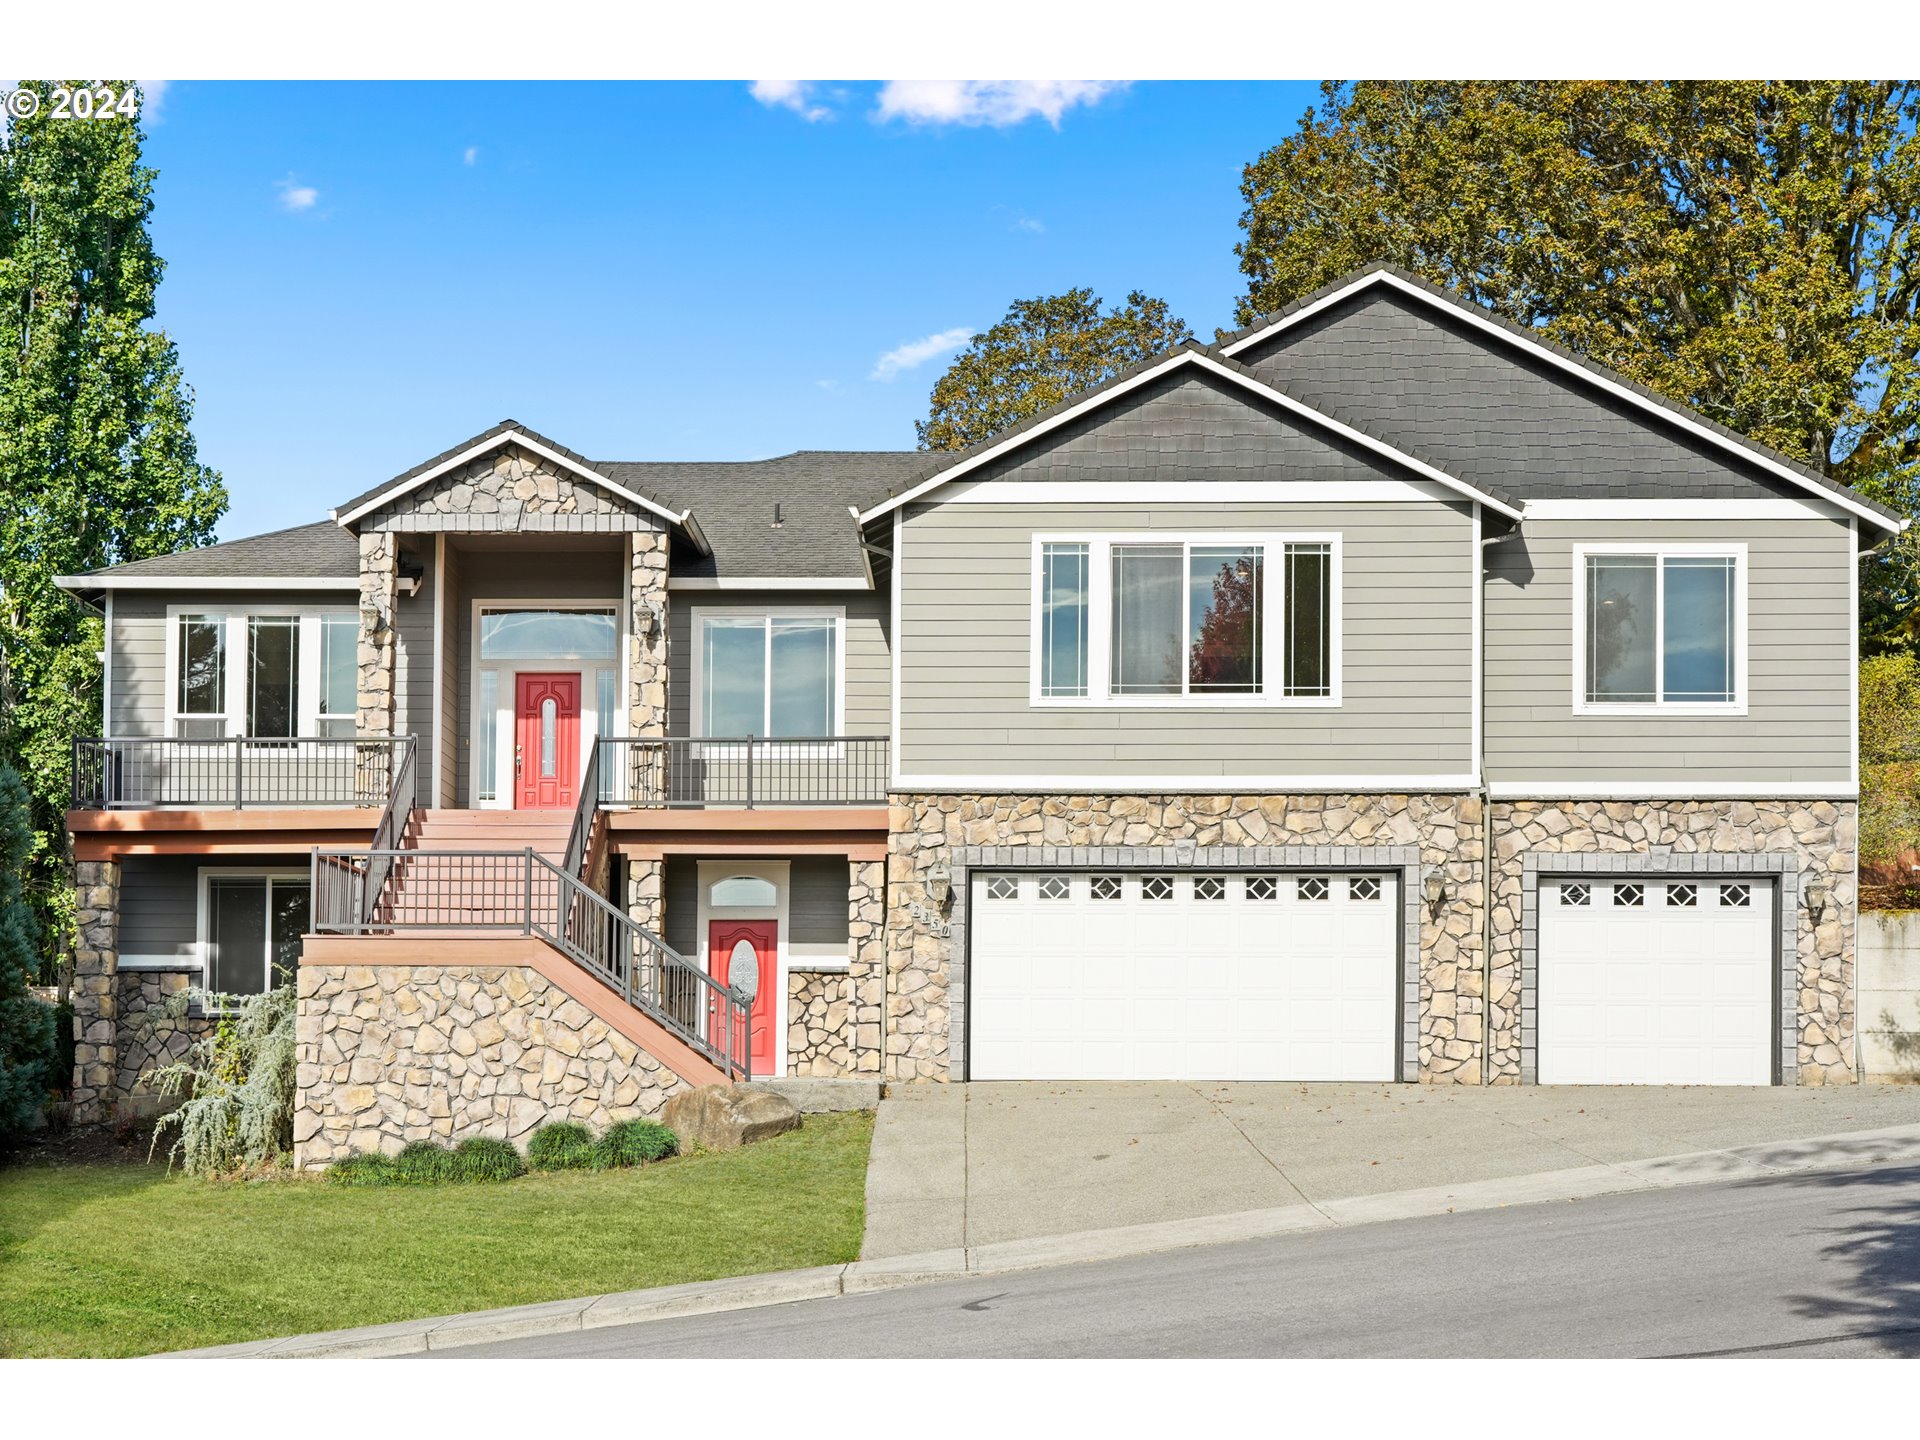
(1288,976)
(1184,976)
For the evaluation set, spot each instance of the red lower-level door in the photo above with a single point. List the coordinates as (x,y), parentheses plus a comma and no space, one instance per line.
(546,748)
(744,954)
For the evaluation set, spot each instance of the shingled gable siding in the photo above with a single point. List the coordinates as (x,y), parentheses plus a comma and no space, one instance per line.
(966,596)
(1479,407)
(1798,726)
(868,652)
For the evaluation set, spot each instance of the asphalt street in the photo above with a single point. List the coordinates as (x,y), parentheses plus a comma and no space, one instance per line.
(1820,1264)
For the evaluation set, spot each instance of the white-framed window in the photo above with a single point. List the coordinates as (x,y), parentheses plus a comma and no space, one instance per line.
(769,674)
(250,924)
(1154,620)
(1660,628)
(275,672)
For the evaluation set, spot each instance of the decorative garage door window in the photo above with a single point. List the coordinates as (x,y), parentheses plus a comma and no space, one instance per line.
(1002,887)
(1313,887)
(1107,887)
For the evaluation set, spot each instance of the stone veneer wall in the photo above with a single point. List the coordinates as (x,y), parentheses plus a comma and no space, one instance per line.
(867,962)
(391,1054)
(96,990)
(150,1036)
(1821,835)
(1445,828)
(647,632)
(508,489)
(379,575)
(818,1006)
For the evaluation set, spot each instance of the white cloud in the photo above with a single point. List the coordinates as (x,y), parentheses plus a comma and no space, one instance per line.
(471,155)
(1030,225)
(153,95)
(917,352)
(799,96)
(295,198)
(987,102)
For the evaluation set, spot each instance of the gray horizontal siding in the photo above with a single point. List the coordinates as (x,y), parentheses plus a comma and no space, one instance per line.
(868,648)
(137,647)
(159,910)
(966,621)
(1799,722)
(817,900)
(680,905)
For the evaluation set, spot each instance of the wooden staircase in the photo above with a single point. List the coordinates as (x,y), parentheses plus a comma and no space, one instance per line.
(489,889)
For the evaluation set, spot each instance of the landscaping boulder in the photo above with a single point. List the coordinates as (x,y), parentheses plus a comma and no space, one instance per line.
(725,1117)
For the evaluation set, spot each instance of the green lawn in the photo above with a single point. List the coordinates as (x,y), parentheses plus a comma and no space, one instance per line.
(116,1259)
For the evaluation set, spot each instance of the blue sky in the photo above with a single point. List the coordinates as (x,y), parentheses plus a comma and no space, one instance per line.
(360,275)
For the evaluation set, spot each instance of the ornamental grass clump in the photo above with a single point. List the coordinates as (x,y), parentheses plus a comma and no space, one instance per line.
(633,1142)
(562,1145)
(425,1163)
(483,1160)
(238,1084)
(363,1170)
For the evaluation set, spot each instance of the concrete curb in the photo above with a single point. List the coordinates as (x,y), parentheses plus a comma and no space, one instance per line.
(1896,1144)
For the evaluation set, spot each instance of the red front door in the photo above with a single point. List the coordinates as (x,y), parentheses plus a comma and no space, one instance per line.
(546,742)
(757,941)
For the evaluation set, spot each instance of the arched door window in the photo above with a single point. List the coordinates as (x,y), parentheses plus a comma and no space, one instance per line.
(743,890)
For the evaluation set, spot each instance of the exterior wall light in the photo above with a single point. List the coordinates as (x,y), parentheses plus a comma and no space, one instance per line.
(1434,890)
(1817,897)
(939,882)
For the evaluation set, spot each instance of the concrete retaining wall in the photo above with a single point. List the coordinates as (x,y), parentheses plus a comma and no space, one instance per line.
(1888,997)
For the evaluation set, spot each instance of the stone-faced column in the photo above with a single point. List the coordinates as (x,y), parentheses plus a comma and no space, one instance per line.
(646,894)
(379,576)
(96,990)
(867,963)
(646,661)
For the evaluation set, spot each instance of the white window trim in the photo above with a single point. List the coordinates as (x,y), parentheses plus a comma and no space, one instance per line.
(203,939)
(1100,622)
(697,703)
(1661,551)
(506,697)
(236,676)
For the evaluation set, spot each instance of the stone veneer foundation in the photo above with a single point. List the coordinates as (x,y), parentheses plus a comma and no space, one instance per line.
(390,1054)
(1444,830)
(1815,839)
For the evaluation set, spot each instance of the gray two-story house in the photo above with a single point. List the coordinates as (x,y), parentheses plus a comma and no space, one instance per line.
(1378,694)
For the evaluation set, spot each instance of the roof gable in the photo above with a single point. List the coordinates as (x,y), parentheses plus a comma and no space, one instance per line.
(1096,408)
(1455,385)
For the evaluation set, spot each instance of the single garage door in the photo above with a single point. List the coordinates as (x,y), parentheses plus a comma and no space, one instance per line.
(1656,982)
(1155,976)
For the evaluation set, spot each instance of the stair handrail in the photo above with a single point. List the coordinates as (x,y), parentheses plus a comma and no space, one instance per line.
(580,836)
(402,798)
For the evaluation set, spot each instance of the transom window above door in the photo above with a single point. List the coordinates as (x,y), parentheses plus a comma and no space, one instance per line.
(1186,620)
(1660,627)
(767,674)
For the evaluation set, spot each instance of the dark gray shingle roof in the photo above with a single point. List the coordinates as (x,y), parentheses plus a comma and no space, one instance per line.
(316,551)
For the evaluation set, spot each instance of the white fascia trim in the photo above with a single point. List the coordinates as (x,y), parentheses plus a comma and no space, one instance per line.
(1612,387)
(977,784)
(1224,372)
(208,582)
(1784,508)
(1284,492)
(1668,790)
(776,582)
(508,437)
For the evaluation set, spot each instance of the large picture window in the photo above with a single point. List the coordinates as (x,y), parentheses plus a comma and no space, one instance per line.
(1660,628)
(276,674)
(767,675)
(1198,620)
(251,930)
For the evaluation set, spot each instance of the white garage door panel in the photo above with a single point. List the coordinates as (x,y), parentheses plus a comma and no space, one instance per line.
(1260,984)
(1656,982)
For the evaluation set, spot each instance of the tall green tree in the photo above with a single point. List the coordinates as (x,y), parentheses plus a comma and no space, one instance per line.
(1750,249)
(27,1046)
(97,459)
(1044,350)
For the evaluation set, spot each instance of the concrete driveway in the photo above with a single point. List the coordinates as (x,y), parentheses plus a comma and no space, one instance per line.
(964,1165)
